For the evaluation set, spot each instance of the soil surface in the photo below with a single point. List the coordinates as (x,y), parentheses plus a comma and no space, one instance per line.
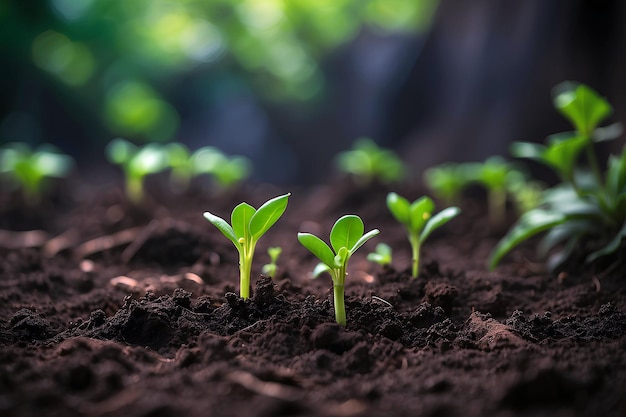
(108,309)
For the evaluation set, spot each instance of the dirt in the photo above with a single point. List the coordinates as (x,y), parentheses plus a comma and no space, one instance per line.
(107,309)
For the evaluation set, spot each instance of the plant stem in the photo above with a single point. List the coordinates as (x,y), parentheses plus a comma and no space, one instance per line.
(245,267)
(497,206)
(134,189)
(340,308)
(415,247)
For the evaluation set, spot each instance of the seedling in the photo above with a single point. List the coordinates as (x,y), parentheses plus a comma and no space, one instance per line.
(367,162)
(346,236)
(418,220)
(587,211)
(248,225)
(227,171)
(447,181)
(179,161)
(493,175)
(271,268)
(137,162)
(28,169)
(382,255)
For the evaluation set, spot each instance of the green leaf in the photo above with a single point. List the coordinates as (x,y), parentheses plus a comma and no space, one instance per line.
(120,151)
(223,227)
(610,132)
(346,232)
(364,239)
(267,215)
(419,212)
(530,224)
(527,150)
(343,254)
(319,269)
(438,220)
(610,248)
(318,248)
(399,208)
(581,105)
(240,219)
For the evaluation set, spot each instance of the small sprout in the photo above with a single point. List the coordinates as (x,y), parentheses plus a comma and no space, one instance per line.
(227,171)
(248,225)
(447,181)
(381,255)
(271,268)
(492,175)
(346,237)
(418,220)
(586,213)
(28,169)
(367,162)
(179,161)
(137,162)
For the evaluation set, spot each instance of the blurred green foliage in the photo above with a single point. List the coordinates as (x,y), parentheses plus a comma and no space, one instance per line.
(121,59)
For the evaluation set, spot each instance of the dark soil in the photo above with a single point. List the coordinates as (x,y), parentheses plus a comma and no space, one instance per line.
(114,310)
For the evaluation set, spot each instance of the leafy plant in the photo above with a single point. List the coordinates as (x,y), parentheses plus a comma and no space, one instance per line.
(248,226)
(418,220)
(346,236)
(181,166)
(367,162)
(271,268)
(447,181)
(227,171)
(586,212)
(493,174)
(28,169)
(382,255)
(136,162)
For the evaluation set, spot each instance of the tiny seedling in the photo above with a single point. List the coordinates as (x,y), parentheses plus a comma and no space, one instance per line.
(28,169)
(382,255)
(179,162)
(227,171)
(493,175)
(418,220)
(447,181)
(137,162)
(248,225)
(271,268)
(368,162)
(584,215)
(346,236)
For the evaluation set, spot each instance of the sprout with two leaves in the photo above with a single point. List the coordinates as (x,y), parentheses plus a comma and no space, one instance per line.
(28,169)
(417,217)
(271,268)
(367,162)
(136,162)
(248,226)
(382,255)
(346,236)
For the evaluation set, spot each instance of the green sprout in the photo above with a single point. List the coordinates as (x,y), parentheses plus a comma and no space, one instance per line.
(248,225)
(136,162)
(418,220)
(227,171)
(179,161)
(382,255)
(367,162)
(271,268)
(447,181)
(586,212)
(28,169)
(492,174)
(346,236)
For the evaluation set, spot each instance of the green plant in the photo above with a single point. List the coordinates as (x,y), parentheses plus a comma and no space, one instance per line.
(227,171)
(28,169)
(382,255)
(179,162)
(346,236)
(136,162)
(248,226)
(367,162)
(418,220)
(493,174)
(447,181)
(271,268)
(586,212)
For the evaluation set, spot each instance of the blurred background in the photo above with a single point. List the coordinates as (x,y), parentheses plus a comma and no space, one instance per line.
(289,83)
